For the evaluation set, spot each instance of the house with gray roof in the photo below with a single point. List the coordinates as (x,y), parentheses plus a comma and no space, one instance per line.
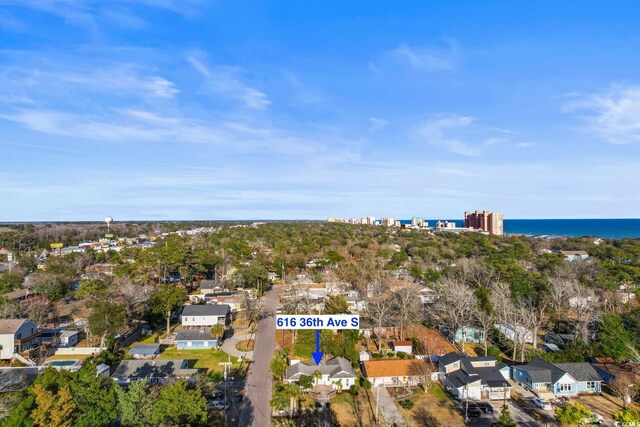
(332,371)
(144,351)
(17,336)
(474,377)
(154,371)
(559,379)
(190,339)
(201,316)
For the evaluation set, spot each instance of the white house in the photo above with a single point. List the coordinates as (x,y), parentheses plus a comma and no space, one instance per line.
(337,372)
(68,338)
(396,373)
(574,255)
(404,346)
(205,315)
(513,332)
(16,336)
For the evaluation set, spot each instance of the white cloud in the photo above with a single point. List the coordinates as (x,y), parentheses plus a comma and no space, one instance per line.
(427,58)
(614,115)
(18,83)
(91,14)
(226,80)
(438,132)
(377,124)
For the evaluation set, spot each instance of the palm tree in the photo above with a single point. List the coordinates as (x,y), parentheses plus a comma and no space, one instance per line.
(316,376)
(217,331)
(339,385)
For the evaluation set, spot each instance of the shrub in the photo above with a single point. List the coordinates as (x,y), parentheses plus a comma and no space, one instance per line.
(401,355)
(354,389)
(377,356)
(391,354)
(406,404)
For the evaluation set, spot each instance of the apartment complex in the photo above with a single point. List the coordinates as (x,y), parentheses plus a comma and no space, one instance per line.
(485,221)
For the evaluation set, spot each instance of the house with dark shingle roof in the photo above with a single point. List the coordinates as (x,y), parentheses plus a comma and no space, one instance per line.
(154,371)
(332,371)
(474,377)
(189,339)
(560,379)
(202,316)
(144,351)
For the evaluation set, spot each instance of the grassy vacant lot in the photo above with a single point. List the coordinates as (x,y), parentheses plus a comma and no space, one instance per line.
(353,410)
(433,407)
(200,359)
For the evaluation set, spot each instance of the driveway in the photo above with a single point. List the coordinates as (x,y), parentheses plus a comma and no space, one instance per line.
(386,404)
(229,345)
(256,410)
(517,413)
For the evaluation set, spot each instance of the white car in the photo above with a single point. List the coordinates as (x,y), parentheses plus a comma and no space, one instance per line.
(593,419)
(542,404)
(217,404)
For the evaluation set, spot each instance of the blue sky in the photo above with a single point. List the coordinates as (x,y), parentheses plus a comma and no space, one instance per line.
(190,109)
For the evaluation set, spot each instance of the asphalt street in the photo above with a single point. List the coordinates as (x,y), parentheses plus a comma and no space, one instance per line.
(256,411)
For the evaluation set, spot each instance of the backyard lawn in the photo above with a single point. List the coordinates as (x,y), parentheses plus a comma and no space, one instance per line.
(353,410)
(208,359)
(433,407)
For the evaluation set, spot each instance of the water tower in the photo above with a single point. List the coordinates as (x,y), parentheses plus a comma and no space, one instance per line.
(108,221)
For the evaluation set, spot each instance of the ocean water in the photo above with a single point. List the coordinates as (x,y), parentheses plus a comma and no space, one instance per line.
(605,228)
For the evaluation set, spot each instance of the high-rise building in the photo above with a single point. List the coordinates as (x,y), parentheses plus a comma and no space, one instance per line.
(490,222)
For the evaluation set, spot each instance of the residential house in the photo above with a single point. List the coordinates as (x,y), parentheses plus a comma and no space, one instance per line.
(189,339)
(574,255)
(396,373)
(68,338)
(155,371)
(474,378)
(18,295)
(427,295)
(17,336)
(612,372)
(559,379)
(472,335)
(210,287)
(336,373)
(403,346)
(144,351)
(205,315)
(364,355)
(514,333)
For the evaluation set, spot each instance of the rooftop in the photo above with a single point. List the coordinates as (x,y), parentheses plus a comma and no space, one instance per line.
(10,326)
(394,368)
(193,335)
(206,310)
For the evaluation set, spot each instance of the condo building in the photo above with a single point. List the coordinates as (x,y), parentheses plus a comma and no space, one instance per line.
(490,222)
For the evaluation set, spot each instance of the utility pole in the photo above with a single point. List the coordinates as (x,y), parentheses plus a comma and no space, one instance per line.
(377,403)
(466,404)
(226,387)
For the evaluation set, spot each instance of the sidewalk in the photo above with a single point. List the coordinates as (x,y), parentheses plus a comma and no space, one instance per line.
(390,411)
(229,345)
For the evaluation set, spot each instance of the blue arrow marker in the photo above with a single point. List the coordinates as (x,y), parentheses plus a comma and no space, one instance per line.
(317,355)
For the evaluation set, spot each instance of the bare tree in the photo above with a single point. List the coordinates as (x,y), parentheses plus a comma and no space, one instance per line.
(624,388)
(457,305)
(407,306)
(379,306)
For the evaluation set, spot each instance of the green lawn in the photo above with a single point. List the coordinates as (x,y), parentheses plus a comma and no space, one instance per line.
(208,359)
(436,391)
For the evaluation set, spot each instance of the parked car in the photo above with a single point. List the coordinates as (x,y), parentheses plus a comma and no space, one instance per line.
(217,404)
(485,407)
(593,419)
(473,411)
(542,404)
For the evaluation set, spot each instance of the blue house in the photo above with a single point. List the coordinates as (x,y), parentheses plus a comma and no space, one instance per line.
(561,379)
(189,339)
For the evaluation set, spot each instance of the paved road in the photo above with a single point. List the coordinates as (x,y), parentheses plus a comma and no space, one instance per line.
(256,411)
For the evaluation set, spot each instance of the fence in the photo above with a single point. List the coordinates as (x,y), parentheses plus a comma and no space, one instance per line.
(77,350)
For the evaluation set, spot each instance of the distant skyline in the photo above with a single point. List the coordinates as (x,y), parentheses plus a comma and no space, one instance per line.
(191,109)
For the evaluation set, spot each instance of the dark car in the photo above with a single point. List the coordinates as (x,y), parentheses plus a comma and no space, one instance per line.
(473,411)
(485,407)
